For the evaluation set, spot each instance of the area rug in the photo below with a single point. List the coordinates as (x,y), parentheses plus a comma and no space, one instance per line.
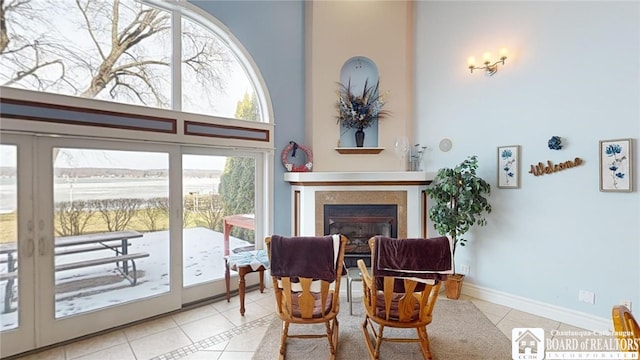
(459,331)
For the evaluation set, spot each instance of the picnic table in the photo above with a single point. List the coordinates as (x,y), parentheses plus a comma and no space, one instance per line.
(117,241)
(100,241)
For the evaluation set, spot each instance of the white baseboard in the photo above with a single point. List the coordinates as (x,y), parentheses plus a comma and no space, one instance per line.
(557,313)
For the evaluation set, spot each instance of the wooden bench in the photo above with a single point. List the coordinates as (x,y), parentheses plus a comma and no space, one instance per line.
(81,249)
(117,241)
(8,290)
(9,257)
(94,240)
(8,276)
(131,276)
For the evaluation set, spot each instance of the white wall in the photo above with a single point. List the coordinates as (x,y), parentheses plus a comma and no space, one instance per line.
(573,71)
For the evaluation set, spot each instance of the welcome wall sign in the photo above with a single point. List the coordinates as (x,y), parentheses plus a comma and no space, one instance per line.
(550,168)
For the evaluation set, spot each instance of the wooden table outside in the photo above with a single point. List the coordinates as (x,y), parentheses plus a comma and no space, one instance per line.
(245,221)
(10,250)
(101,239)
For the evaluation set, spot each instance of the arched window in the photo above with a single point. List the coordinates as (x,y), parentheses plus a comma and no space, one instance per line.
(152,53)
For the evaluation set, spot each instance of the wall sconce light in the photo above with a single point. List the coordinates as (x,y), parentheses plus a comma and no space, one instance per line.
(489,68)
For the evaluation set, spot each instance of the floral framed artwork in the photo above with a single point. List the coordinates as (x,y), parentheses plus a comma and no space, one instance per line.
(509,167)
(616,169)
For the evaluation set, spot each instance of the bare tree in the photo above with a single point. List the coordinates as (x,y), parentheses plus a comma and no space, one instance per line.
(72,217)
(27,56)
(123,73)
(153,211)
(117,213)
(187,212)
(117,46)
(209,211)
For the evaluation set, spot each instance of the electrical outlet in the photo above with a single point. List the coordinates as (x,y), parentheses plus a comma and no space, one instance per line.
(626,303)
(586,296)
(464,269)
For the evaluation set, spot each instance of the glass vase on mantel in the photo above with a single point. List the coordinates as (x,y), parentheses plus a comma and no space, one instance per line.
(359,137)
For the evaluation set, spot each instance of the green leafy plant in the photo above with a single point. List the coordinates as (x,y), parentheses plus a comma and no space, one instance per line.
(459,200)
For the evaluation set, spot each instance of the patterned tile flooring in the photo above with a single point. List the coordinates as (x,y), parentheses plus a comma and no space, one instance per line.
(216,331)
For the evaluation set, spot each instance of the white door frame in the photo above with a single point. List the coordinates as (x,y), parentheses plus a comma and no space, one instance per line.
(22,338)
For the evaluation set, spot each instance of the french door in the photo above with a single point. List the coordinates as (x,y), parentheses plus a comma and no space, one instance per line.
(17,240)
(62,189)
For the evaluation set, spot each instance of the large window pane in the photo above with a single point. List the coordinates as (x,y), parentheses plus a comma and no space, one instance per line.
(109,204)
(8,237)
(79,54)
(68,47)
(216,85)
(214,187)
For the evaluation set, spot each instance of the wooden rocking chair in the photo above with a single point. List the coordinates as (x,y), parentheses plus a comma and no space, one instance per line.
(626,328)
(306,273)
(403,287)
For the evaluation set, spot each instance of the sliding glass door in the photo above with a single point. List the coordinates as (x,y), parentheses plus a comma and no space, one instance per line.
(93,232)
(106,257)
(215,184)
(86,241)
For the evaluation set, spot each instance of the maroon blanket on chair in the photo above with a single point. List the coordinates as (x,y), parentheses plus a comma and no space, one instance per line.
(305,256)
(418,258)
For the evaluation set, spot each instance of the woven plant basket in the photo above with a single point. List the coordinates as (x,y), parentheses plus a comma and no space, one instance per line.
(453,286)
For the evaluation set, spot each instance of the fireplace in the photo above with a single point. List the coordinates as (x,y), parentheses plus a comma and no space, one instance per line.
(398,197)
(359,222)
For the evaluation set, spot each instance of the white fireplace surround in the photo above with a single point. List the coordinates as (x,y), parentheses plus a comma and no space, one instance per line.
(310,191)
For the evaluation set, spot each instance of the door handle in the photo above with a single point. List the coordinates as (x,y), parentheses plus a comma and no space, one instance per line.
(29,245)
(42,246)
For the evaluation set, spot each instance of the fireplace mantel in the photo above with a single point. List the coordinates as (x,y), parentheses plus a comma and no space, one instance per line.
(310,191)
(356,178)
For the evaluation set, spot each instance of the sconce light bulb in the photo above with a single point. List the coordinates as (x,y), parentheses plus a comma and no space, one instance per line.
(486,57)
(471,61)
(503,54)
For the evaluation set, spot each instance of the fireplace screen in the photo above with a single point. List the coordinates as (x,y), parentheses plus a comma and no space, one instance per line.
(359,223)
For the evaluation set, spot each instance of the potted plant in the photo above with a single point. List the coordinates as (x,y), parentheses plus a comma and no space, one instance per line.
(459,202)
(359,111)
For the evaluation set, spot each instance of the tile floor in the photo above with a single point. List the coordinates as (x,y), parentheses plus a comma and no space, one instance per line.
(216,331)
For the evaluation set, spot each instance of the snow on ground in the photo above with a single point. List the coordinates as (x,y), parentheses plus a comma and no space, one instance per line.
(92,288)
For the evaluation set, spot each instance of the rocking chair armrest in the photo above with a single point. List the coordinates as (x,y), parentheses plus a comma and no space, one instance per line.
(366,278)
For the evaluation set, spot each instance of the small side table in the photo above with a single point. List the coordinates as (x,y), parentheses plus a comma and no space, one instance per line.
(242,271)
(353,274)
(245,221)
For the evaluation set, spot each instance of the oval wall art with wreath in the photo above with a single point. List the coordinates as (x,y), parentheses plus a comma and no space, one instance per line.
(290,151)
